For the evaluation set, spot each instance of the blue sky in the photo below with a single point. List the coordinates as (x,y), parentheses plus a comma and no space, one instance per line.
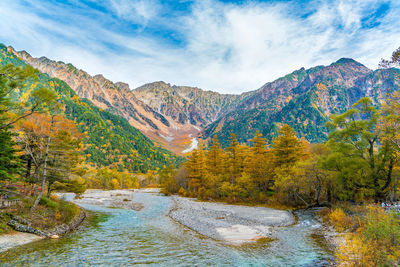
(225,46)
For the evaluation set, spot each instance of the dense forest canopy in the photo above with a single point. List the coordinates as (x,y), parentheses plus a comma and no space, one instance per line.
(109,139)
(359,161)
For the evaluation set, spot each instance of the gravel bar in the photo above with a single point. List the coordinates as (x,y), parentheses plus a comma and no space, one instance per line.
(232,223)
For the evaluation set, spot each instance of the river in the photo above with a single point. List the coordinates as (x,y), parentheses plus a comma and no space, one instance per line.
(119,237)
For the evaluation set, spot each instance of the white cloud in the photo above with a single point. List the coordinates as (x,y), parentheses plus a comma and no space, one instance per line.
(224,47)
(140,11)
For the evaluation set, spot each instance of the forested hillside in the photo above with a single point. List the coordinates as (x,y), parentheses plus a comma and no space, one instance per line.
(110,140)
(171,115)
(304,100)
(165,114)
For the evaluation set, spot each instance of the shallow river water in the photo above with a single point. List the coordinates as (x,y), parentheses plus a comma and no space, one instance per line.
(118,237)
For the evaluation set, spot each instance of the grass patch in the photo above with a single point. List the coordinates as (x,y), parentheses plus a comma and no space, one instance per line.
(49,203)
(48,213)
(4,219)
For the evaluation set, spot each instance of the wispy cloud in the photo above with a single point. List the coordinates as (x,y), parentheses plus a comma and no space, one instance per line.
(226,47)
(136,11)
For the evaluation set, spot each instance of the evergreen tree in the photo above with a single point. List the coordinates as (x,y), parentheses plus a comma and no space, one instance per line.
(9,161)
(362,159)
(11,78)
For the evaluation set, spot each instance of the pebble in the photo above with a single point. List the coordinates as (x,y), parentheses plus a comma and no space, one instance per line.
(205,217)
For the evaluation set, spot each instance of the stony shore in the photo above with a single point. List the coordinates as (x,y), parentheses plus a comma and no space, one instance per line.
(26,234)
(232,223)
(15,239)
(113,198)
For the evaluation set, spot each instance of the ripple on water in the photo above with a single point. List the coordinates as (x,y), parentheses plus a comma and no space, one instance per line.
(127,237)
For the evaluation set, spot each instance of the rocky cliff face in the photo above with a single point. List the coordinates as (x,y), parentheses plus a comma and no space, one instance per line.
(172,115)
(170,120)
(186,104)
(304,99)
(102,92)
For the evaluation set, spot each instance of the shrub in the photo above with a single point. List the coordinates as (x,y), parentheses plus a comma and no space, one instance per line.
(68,210)
(4,219)
(376,242)
(49,203)
(114,184)
(340,220)
(356,251)
(384,230)
(182,192)
(324,213)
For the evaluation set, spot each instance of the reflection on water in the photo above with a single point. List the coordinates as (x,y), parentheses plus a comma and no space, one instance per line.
(125,237)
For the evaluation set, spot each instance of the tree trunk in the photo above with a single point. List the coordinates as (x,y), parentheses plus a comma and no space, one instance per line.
(389,175)
(391,194)
(317,195)
(295,193)
(49,190)
(46,155)
(28,168)
(329,194)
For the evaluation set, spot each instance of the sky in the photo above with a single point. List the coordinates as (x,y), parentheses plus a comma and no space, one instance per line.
(224,46)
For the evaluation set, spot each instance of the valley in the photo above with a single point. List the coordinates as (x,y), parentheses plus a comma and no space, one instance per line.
(199,133)
(149,236)
(169,114)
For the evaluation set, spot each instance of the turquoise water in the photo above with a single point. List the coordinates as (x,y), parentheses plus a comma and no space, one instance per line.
(149,237)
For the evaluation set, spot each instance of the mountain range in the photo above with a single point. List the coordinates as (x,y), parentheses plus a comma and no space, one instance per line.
(110,140)
(173,115)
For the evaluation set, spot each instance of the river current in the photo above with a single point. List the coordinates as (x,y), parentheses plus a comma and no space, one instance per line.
(119,237)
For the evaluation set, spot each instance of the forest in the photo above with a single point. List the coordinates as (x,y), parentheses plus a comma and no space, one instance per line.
(109,140)
(358,162)
(350,175)
(355,169)
(51,140)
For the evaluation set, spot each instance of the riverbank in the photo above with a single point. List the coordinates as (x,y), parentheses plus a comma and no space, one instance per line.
(150,237)
(113,198)
(8,241)
(52,218)
(231,223)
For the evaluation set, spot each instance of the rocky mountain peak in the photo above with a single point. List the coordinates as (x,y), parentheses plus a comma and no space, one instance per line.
(349,62)
(123,86)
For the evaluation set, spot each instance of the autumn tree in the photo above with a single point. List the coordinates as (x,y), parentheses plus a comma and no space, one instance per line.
(393,61)
(287,150)
(389,125)
(65,155)
(167,178)
(215,158)
(196,167)
(310,179)
(216,168)
(259,165)
(236,155)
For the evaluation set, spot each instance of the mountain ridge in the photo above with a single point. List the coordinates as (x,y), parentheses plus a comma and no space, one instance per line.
(304,99)
(110,140)
(172,115)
